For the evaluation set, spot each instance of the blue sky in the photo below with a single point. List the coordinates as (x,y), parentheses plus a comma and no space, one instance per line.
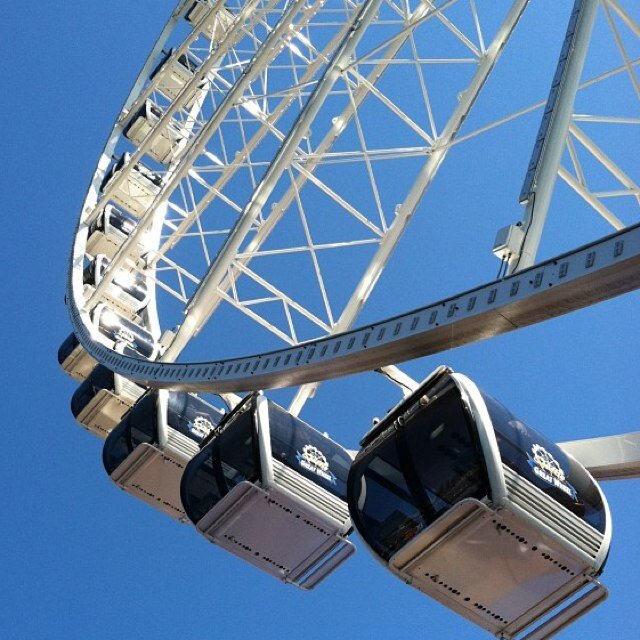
(80,559)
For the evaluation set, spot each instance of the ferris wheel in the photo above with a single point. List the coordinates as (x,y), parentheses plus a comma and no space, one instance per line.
(258,179)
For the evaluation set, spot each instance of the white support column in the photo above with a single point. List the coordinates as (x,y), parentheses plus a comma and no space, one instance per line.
(162,410)
(547,154)
(362,90)
(399,378)
(199,308)
(267,126)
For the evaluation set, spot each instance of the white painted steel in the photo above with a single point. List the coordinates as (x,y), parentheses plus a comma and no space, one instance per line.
(197,311)
(197,146)
(359,89)
(608,458)
(407,209)
(304,361)
(541,178)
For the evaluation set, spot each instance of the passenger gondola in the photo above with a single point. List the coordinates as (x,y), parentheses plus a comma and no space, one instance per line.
(108,232)
(146,453)
(270,489)
(112,330)
(465,502)
(74,359)
(165,145)
(137,190)
(172,74)
(128,292)
(218,22)
(102,400)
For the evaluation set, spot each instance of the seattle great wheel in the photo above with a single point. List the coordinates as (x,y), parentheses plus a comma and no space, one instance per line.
(273,175)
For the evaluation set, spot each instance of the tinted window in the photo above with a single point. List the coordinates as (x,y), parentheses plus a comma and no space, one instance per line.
(308,451)
(385,512)
(237,451)
(199,488)
(139,425)
(414,475)
(543,463)
(119,221)
(226,460)
(445,453)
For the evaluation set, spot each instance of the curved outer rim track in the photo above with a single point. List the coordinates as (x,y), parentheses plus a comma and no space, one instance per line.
(585,276)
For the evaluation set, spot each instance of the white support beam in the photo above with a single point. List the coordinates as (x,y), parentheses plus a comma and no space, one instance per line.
(550,143)
(229,170)
(590,199)
(254,67)
(420,15)
(590,274)
(606,162)
(206,68)
(608,458)
(399,378)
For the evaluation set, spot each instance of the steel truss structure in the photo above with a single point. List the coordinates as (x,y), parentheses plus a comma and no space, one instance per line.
(274,122)
(278,120)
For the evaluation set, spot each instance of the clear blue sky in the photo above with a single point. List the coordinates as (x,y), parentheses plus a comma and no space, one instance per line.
(81,559)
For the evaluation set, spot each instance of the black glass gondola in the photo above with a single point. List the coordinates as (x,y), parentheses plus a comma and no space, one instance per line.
(112,330)
(146,453)
(122,334)
(468,504)
(102,399)
(270,489)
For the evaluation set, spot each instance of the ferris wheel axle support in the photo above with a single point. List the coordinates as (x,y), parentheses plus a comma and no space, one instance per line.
(199,307)
(550,141)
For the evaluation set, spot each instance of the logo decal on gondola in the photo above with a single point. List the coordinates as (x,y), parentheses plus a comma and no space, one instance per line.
(200,427)
(124,335)
(547,468)
(312,459)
